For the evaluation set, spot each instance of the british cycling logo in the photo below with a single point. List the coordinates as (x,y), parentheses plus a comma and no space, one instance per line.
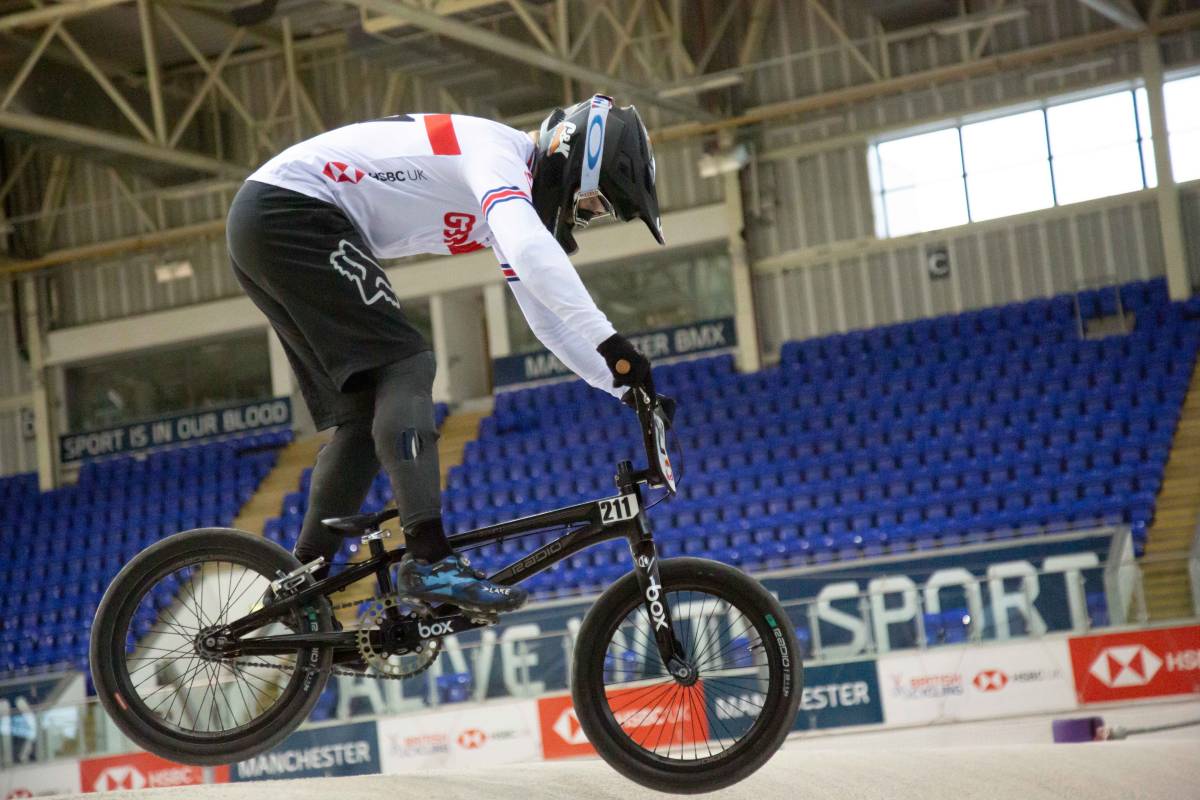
(339,172)
(361,270)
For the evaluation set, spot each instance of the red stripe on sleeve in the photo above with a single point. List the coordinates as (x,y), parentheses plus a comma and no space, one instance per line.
(440,128)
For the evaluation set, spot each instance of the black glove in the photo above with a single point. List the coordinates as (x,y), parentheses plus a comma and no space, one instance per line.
(628,366)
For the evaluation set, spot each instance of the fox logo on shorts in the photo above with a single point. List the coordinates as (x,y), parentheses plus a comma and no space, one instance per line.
(361,269)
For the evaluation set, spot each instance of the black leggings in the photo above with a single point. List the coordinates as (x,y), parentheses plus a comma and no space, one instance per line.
(403,438)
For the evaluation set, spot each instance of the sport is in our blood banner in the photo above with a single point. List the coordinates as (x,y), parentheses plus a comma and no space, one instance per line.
(652,718)
(1157,662)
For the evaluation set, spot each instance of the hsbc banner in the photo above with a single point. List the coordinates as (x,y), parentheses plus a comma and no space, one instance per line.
(646,716)
(316,752)
(489,735)
(706,336)
(140,771)
(39,781)
(951,684)
(1158,662)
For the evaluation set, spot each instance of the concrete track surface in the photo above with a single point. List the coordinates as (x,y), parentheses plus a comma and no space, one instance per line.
(1152,768)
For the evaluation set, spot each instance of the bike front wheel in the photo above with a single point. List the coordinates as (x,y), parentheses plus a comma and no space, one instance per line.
(149,666)
(701,734)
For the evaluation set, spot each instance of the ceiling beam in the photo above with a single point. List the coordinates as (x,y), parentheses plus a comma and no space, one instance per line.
(504,46)
(143,241)
(1002,62)
(91,137)
(37,17)
(1121,12)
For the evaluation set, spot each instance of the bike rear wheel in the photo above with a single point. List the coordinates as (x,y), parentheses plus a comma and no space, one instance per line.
(678,736)
(150,673)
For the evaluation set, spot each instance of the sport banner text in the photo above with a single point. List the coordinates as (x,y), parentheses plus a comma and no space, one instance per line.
(682,340)
(179,429)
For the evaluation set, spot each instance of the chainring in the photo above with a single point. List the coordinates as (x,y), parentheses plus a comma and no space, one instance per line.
(392,665)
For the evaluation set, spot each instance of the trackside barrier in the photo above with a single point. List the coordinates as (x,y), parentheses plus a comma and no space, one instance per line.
(973,681)
(980,682)
(1194,570)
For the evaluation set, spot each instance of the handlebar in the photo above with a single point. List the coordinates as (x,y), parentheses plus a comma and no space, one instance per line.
(655,419)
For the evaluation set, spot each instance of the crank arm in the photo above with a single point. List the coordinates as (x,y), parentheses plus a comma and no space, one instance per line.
(288,643)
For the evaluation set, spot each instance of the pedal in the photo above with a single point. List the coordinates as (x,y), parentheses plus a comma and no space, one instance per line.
(295,579)
(423,609)
(482,618)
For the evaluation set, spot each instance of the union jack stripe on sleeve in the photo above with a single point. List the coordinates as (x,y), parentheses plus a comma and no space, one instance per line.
(510,274)
(501,194)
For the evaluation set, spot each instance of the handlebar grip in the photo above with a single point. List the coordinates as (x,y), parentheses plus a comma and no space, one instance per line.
(623,366)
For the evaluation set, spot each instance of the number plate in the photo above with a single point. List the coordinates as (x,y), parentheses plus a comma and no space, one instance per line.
(618,509)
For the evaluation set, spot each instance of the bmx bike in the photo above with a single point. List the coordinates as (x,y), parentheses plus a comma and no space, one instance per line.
(685,675)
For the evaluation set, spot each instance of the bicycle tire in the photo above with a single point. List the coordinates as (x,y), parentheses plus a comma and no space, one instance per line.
(110,672)
(616,746)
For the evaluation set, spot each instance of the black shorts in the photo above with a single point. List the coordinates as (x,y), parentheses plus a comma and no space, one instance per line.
(307,267)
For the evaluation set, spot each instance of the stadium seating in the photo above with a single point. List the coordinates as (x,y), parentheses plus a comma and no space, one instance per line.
(988,425)
(59,549)
(991,424)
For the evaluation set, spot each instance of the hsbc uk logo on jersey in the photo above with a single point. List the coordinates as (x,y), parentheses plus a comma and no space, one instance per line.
(340,172)
(1152,663)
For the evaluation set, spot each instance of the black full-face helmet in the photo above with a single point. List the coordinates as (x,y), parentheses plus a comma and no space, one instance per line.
(594,150)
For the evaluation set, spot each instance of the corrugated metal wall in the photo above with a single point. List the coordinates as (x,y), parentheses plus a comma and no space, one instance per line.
(344,89)
(16,452)
(819,200)
(990,264)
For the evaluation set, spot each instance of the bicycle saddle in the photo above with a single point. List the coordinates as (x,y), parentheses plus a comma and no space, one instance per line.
(360,523)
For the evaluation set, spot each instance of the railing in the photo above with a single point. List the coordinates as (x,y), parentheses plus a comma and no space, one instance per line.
(1007,605)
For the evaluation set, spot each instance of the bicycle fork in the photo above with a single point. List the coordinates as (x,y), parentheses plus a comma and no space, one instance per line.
(654,595)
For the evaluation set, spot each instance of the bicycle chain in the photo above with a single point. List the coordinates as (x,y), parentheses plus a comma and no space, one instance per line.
(349,673)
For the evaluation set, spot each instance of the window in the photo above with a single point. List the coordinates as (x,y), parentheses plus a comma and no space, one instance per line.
(1063,152)
(648,293)
(1143,117)
(1095,146)
(1182,98)
(1007,166)
(164,382)
(921,180)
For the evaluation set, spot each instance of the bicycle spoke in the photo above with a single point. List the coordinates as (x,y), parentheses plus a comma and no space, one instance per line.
(703,720)
(193,694)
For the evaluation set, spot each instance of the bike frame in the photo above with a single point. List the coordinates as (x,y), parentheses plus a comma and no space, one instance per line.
(620,516)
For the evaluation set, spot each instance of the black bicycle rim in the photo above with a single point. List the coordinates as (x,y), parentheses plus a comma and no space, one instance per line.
(715,718)
(175,689)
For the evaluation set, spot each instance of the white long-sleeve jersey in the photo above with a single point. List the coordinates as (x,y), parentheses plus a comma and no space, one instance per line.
(448,184)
